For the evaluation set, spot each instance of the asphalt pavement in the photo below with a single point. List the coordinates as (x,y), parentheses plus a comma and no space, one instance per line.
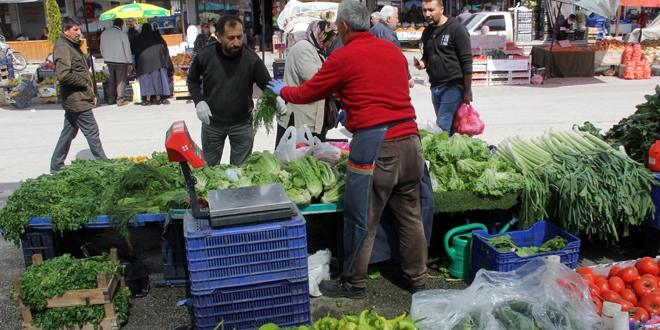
(28,137)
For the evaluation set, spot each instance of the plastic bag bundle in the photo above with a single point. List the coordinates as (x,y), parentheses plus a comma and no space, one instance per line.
(319,270)
(542,294)
(326,152)
(537,79)
(467,121)
(295,144)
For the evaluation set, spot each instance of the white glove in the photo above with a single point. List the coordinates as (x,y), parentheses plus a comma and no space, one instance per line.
(281,106)
(204,112)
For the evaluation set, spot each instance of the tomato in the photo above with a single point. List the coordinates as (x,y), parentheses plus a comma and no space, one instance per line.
(597,303)
(588,278)
(629,274)
(626,305)
(647,265)
(616,284)
(602,285)
(586,270)
(651,303)
(627,294)
(595,290)
(614,271)
(639,313)
(650,277)
(609,295)
(643,286)
(600,277)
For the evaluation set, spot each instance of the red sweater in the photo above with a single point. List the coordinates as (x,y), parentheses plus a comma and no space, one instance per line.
(371,77)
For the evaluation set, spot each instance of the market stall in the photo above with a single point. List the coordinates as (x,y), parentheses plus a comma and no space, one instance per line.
(571,61)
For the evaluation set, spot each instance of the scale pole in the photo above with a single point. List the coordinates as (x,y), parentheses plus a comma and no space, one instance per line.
(190,187)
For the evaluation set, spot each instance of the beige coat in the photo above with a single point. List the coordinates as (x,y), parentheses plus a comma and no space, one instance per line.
(302,63)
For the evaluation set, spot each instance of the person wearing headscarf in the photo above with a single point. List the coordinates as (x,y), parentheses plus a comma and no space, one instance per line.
(154,66)
(203,39)
(303,61)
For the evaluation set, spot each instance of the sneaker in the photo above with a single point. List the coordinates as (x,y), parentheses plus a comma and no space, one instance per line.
(341,289)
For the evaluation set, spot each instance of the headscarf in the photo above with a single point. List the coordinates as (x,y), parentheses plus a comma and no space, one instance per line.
(319,32)
(147,38)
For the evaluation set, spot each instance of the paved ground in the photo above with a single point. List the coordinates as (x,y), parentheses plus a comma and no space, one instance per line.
(28,138)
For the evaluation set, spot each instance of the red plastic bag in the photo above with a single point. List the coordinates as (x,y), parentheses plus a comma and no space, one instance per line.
(467,121)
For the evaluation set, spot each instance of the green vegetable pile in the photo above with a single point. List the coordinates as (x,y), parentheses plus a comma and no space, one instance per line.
(517,314)
(582,182)
(465,164)
(497,54)
(121,188)
(54,277)
(637,132)
(504,243)
(264,111)
(367,319)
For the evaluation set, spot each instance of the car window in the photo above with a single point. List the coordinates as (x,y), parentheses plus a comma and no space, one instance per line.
(473,20)
(495,23)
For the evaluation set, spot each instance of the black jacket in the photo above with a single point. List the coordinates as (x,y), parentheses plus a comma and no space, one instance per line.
(447,53)
(228,82)
(152,59)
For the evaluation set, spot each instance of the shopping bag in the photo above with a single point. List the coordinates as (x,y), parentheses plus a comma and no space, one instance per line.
(304,137)
(467,121)
(137,96)
(286,149)
(326,152)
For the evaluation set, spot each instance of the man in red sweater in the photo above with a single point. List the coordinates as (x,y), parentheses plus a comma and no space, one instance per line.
(386,162)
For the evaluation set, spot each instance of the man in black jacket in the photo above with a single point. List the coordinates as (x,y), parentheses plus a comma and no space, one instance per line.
(228,70)
(447,58)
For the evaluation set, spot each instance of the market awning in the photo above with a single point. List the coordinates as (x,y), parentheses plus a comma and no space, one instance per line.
(604,8)
(16,1)
(641,3)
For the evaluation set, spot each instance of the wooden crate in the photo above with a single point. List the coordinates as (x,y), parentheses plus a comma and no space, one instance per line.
(102,295)
(180,91)
(53,99)
(4,73)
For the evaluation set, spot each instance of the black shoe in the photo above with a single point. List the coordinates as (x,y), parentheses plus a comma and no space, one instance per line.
(146,103)
(341,289)
(158,102)
(414,289)
(164,102)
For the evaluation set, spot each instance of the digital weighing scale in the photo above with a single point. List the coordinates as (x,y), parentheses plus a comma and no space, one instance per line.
(229,206)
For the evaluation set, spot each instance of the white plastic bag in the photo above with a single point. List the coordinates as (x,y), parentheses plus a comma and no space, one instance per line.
(137,97)
(549,294)
(304,135)
(326,152)
(319,270)
(286,149)
(430,127)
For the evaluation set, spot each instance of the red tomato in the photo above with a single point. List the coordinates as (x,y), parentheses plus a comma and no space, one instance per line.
(650,277)
(639,313)
(614,271)
(600,277)
(646,265)
(616,284)
(609,295)
(626,305)
(627,294)
(586,270)
(603,285)
(643,286)
(651,303)
(629,274)
(588,278)
(595,290)
(597,303)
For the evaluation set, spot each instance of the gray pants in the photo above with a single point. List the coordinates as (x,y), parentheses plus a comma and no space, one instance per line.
(73,121)
(117,84)
(241,140)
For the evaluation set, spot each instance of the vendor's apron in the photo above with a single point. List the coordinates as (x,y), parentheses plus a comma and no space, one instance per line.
(365,148)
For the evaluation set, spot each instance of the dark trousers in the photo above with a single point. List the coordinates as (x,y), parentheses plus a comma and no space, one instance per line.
(117,84)
(240,137)
(73,121)
(396,181)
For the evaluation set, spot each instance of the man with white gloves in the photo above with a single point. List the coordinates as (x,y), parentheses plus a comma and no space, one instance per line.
(228,69)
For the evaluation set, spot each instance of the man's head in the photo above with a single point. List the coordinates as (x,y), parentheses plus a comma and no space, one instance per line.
(118,22)
(206,28)
(465,8)
(213,21)
(352,17)
(433,11)
(229,32)
(375,18)
(131,23)
(571,18)
(71,28)
(389,15)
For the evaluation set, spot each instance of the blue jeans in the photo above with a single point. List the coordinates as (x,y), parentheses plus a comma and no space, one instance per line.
(446,101)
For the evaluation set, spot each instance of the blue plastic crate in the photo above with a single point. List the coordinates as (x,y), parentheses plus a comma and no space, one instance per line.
(655,196)
(102,221)
(486,256)
(252,254)
(285,303)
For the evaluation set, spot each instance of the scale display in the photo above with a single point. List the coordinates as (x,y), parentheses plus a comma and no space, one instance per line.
(180,147)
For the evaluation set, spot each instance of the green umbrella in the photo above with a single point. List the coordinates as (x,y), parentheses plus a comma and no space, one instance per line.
(135,10)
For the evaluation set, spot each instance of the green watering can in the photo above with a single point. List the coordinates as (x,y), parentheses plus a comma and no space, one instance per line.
(459,252)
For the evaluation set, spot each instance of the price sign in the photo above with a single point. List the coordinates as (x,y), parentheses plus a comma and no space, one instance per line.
(564,43)
(507,65)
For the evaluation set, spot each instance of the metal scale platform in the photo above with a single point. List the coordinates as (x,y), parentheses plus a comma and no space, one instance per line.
(229,206)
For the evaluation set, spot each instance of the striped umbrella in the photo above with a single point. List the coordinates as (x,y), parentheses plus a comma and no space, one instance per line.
(135,10)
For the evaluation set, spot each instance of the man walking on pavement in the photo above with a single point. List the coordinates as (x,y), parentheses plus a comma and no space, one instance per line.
(228,69)
(116,52)
(386,162)
(384,29)
(78,97)
(447,58)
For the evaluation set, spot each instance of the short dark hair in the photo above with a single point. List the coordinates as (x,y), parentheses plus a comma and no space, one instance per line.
(118,22)
(571,16)
(224,20)
(68,22)
(438,1)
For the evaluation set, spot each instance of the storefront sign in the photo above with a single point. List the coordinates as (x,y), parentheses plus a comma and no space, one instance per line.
(166,25)
(32,17)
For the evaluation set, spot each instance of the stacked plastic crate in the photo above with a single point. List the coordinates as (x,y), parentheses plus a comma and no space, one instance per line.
(247,276)
(524,26)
